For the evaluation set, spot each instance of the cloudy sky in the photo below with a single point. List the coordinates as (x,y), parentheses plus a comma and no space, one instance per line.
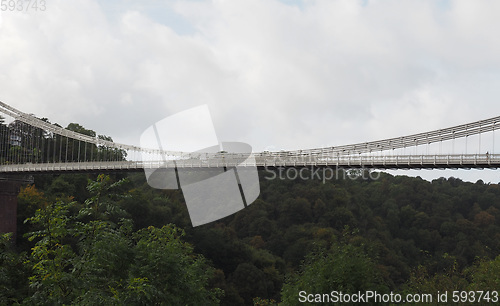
(275,74)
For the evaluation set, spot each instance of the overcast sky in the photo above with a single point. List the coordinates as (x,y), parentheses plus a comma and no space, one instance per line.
(275,74)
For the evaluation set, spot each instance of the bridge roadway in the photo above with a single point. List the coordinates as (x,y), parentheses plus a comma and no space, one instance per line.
(468,161)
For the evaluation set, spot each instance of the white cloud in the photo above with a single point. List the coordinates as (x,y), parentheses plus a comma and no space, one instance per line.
(274,75)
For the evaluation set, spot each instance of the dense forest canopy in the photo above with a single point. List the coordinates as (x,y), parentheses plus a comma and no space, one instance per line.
(87,239)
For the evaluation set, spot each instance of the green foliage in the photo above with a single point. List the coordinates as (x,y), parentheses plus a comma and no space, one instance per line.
(450,279)
(485,275)
(102,204)
(264,302)
(344,268)
(87,259)
(51,259)
(175,276)
(13,272)
(408,235)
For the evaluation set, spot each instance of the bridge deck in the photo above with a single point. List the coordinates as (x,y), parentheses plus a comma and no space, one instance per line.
(477,161)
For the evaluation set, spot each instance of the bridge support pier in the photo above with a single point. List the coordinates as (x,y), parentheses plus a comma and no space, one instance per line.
(9,189)
(8,206)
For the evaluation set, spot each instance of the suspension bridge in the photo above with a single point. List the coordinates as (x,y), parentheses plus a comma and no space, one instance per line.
(31,145)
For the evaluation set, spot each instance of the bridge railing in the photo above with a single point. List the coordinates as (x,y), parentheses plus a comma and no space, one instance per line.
(355,161)
(386,161)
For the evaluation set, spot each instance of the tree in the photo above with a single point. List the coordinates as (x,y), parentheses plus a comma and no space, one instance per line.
(89,258)
(343,268)
(13,273)
(449,279)
(485,275)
